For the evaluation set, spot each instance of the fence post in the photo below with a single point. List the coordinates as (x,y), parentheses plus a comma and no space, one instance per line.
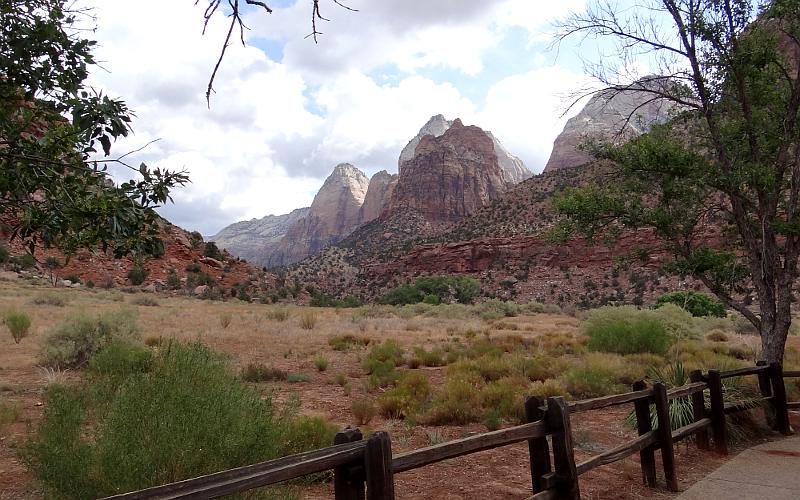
(765,388)
(665,435)
(779,399)
(563,451)
(348,480)
(647,457)
(718,428)
(378,467)
(538,449)
(699,410)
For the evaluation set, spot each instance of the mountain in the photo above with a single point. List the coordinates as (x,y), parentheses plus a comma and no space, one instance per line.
(449,176)
(379,192)
(514,170)
(335,213)
(610,115)
(252,240)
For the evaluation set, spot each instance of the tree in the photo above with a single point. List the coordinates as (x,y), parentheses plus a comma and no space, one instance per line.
(53,190)
(720,183)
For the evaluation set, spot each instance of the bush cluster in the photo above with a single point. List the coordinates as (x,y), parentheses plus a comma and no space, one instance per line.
(18,323)
(698,304)
(626,330)
(434,290)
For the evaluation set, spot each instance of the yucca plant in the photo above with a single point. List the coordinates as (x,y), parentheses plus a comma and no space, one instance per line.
(681,412)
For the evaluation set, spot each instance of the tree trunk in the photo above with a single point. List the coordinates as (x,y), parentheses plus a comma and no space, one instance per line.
(773,340)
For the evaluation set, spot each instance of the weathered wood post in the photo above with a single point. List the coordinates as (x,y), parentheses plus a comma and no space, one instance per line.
(665,435)
(563,452)
(378,467)
(647,457)
(699,410)
(348,480)
(779,399)
(765,388)
(538,449)
(718,428)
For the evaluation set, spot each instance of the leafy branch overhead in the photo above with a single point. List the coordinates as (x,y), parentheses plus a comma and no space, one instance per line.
(54,190)
(235,15)
(720,181)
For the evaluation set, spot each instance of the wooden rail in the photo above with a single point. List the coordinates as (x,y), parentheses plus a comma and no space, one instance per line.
(364,469)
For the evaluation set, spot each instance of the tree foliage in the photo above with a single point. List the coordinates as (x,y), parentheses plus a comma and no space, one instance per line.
(720,182)
(53,128)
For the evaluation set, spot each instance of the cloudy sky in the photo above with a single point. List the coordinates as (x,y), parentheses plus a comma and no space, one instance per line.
(286,111)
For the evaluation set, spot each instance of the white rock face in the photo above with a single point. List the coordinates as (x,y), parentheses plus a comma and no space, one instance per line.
(254,239)
(609,116)
(514,170)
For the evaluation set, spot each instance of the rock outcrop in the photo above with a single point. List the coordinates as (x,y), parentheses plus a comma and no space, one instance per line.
(381,186)
(255,239)
(514,170)
(450,176)
(610,115)
(334,214)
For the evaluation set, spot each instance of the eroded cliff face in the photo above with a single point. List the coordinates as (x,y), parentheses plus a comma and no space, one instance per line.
(513,169)
(256,239)
(334,214)
(615,116)
(450,176)
(381,186)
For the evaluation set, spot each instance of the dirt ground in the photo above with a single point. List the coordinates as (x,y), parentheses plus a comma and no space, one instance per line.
(252,337)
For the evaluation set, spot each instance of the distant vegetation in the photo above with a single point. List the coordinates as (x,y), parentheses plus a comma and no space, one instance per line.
(434,290)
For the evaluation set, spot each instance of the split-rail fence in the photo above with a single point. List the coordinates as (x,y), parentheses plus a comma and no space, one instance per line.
(365,468)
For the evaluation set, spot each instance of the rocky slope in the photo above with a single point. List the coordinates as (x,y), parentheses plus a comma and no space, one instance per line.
(514,170)
(335,213)
(450,176)
(252,240)
(615,116)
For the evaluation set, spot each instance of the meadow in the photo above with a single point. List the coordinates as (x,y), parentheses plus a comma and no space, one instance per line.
(424,373)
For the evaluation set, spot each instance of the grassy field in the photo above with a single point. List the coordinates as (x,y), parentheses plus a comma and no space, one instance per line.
(423,373)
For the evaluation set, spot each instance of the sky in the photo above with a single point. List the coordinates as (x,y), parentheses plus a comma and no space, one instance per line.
(287,110)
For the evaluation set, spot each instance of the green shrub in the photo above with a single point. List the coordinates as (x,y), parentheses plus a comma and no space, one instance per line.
(258,372)
(698,304)
(75,340)
(507,397)
(294,378)
(677,322)
(431,299)
(403,294)
(74,278)
(457,402)
(144,300)
(547,388)
(625,330)
(321,363)
(120,360)
(434,357)
(348,341)
(173,281)
(211,250)
(18,323)
(491,419)
(89,284)
(189,403)
(137,275)
(407,397)
(445,288)
(4,254)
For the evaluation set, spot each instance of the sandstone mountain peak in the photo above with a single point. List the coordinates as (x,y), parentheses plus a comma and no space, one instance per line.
(449,176)
(617,115)
(513,169)
(378,195)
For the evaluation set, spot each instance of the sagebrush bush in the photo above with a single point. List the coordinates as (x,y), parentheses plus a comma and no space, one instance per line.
(599,374)
(308,321)
(348,341)
(457,402)
(18,323)
(407,397)
(279,314)
(625,330)
(507,397)
(434,357)
(48,299)
(137,275)
(259,372)
(363,410)
(321,363)
(548,388)
(189,403)
(79,336)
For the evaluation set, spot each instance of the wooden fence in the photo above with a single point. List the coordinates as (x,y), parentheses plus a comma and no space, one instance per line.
(364,469)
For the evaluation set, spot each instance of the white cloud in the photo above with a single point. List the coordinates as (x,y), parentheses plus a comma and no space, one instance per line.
(275,129)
